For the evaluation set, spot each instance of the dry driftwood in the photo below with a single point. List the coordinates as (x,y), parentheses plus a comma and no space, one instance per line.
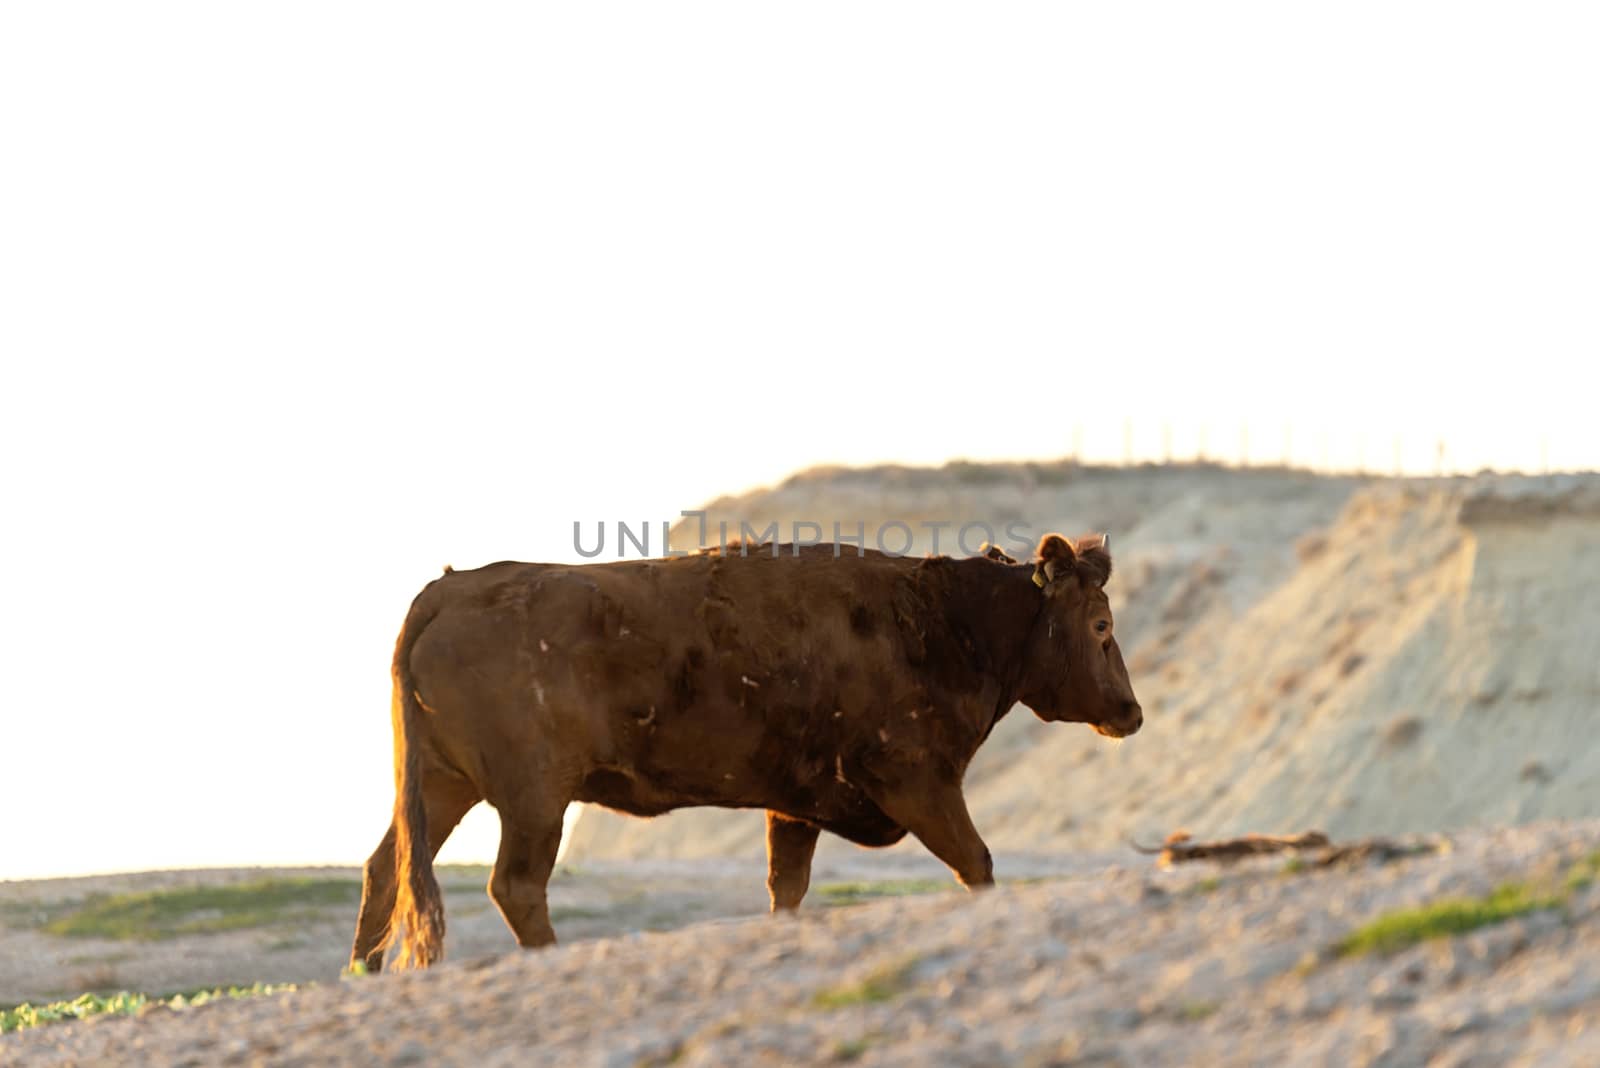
(1180,846)
(1381,850)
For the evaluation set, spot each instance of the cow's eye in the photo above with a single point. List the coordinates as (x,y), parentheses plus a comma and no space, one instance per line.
(1101,627)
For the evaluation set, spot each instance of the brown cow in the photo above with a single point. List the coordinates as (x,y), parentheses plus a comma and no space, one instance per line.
(840,693)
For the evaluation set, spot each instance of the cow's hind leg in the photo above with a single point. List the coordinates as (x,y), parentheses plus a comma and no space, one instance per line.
(448,799)
(530,836)
(790,845)
(377,903)
(937,814)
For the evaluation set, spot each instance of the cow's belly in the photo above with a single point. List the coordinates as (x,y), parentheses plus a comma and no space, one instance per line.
(864,828)
(841,810)
(626,791)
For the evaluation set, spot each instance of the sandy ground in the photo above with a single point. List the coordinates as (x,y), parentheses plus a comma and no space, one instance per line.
(1110,965)
(598,900)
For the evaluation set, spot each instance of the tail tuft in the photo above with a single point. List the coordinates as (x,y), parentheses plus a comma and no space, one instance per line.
(418,918)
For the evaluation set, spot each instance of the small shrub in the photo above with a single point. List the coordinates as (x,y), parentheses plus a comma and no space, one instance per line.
(847,1051)
(25,1016)
(123,1004)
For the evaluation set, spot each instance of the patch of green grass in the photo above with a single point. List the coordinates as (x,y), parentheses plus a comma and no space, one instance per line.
(30,915)
(1195,1011)
(477,872)
(1033,880)
(463,878)
(1210,884)
(855,893)
(25,1016)
(1295,865)
(1583,874)
(159,914)
(1401,928)
(881,985)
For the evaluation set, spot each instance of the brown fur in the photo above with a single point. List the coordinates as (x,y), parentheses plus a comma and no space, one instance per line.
(842,694)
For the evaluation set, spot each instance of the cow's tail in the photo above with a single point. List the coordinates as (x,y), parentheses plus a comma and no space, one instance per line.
(418,906)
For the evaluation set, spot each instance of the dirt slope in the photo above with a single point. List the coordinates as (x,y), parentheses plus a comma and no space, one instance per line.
(306,939)
(1121,966)
(1362,655)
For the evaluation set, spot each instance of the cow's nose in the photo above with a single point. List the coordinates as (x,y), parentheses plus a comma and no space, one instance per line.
(1133,716)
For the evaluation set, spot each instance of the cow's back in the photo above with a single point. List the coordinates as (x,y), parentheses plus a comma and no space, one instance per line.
(741,680)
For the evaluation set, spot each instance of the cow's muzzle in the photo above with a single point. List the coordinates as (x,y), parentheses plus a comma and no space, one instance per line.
(1127,722)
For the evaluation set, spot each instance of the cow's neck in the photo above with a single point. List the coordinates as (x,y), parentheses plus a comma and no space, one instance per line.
(997,605)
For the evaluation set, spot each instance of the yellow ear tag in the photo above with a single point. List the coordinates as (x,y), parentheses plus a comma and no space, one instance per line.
(1038,580)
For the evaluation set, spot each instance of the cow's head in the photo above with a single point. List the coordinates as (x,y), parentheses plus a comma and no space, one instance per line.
(1074,669)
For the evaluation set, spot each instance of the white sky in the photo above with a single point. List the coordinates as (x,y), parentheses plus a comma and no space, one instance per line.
(299,302)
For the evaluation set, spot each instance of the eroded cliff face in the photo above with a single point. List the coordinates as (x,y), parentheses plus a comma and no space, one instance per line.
(1358,655)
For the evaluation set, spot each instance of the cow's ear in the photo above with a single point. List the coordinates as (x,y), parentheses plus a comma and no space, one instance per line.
(1053,559)
(1094,558)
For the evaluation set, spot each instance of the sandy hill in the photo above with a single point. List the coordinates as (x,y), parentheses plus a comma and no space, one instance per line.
(1360,655)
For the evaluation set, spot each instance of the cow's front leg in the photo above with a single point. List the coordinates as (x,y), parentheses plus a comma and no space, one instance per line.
(530,837)
(790,845)
(937,814)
